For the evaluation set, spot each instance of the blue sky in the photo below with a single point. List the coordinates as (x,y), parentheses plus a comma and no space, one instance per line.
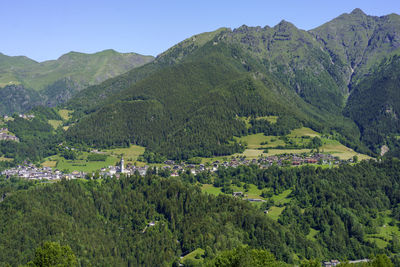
(46,29)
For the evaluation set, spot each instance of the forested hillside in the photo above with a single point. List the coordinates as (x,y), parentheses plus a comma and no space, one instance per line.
(195,105)
(374,105)
(306,76)
(107,222)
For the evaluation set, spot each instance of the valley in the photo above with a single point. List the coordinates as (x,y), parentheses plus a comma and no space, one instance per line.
(252,146)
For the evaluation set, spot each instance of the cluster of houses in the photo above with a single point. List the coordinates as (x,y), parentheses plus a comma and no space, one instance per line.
(6,136)
(30,171)
(262,162)
(129,169)
(26,117)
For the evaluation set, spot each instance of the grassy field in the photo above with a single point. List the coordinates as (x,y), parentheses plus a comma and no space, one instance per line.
(130,153)
(192,256)
(65,114)
(250,153)
(304,131)
(254,141)
(253,191)
(257,143)
(338,150)
(5,159)
(80,164)
(282,198)
(385,232)
(312,234)
(210,189)
(55,123)
(49,163)
(274,212)
(272,152)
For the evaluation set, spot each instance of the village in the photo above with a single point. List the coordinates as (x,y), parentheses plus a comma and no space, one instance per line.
(30,171)
(6,136)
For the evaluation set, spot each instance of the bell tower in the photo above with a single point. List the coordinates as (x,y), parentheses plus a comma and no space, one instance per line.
(122,165)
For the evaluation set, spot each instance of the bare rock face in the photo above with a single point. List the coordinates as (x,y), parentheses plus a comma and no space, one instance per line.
(384,150)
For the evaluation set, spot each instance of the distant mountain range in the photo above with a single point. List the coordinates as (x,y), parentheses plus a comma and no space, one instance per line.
(340,78)
(26,83)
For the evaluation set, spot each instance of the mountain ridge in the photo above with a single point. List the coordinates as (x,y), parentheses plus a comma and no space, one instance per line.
(55,81)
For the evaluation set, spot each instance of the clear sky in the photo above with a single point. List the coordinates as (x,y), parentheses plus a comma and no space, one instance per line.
(46,29)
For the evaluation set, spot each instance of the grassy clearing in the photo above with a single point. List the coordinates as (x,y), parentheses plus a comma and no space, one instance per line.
(253,140)
(253,191)
(274,212)
(192,255)
(312,234)
(130,153)
(272,152)
(211,189)
(282,198)
(379,242)
(50,163)
(65,114)
(385,232)
(256,143)
(273,141)
(80,164)
(55,123)
(250,153)
(5,159)
(337,149)
(304,131)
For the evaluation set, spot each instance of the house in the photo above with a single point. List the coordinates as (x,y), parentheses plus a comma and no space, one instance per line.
(311,160)
(330,263)
(255,200)
(237,194)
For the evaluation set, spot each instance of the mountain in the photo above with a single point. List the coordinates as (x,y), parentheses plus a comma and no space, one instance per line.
(57,80)
(375,104)
(307,76)
(360,41)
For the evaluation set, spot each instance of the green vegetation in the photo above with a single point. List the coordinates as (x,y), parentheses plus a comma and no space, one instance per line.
(28,83)
(275,212)
(53,254)
(194,257)
(85,162)
(130,154)
(103,222)
(349,212)
(374,105)
(55,123)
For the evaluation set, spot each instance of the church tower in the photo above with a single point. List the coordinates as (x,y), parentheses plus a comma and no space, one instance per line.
(122,165)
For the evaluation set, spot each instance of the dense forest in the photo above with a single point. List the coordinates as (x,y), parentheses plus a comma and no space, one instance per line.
(193,108)
(107,221)
(374,105)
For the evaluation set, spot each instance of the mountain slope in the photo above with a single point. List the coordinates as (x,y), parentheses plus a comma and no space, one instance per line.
(375,104)
(191,108)
(57,80)
(305,76)
(360,41)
